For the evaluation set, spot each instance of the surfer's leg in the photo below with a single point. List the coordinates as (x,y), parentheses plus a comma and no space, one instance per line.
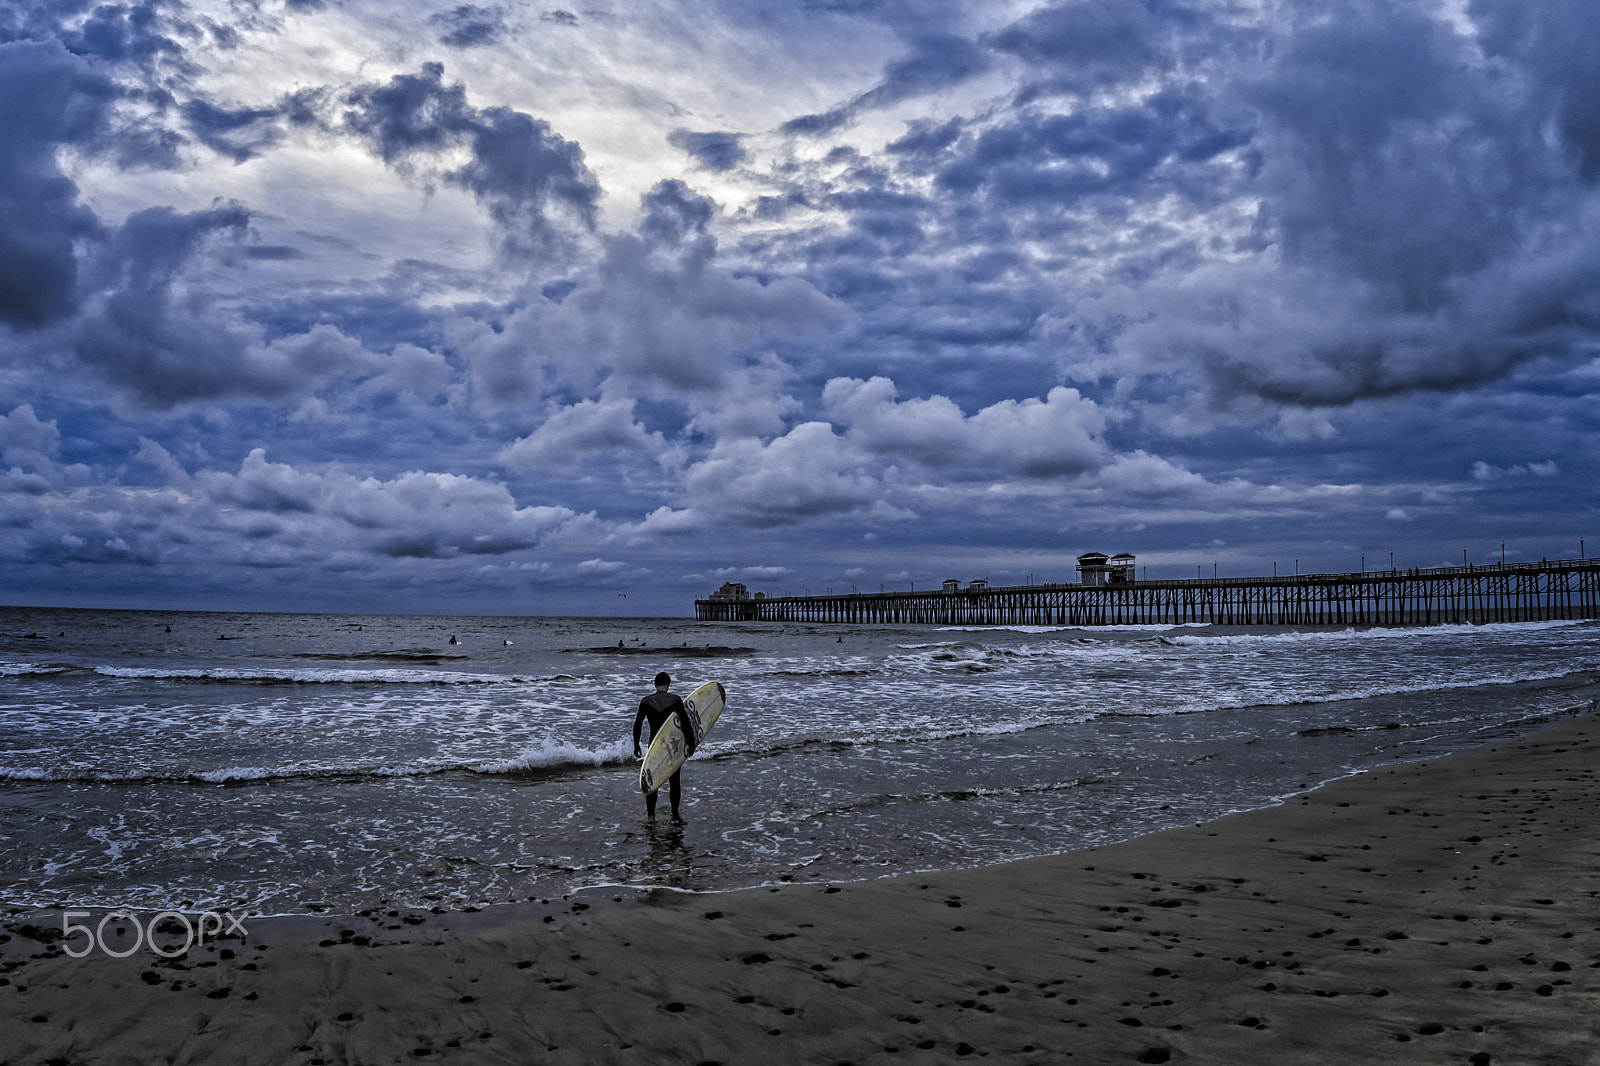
(650,806)
(674,794)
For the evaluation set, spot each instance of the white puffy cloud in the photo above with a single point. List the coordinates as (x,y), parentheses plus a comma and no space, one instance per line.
(752,402)
(1059,435)
(807,473)
(1142,475)
(410,370)
(29,451)
(584,427)
(26,441)
(417,514)
(749,573)
(881,459)
(1482,471)
(609,568)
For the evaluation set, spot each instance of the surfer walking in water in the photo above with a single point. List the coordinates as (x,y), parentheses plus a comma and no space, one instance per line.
(658,709)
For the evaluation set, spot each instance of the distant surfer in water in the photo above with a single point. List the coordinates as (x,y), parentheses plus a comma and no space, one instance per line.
(658,708)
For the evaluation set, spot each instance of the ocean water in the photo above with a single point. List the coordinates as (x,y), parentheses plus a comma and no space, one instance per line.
(284,763)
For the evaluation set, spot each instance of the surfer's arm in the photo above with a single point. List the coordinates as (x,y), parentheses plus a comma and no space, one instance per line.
(638,721)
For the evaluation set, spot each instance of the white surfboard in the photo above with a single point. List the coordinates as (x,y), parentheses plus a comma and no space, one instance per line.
(669,748)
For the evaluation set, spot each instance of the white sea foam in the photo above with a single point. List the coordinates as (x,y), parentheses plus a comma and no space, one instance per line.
(552,753)
(1117,697)
(1372,633)
(1292,699)
(313,676)
(252,773)
(544,755)
(26,669)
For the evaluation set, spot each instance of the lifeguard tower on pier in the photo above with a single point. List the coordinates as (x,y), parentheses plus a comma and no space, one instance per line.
(1097,569)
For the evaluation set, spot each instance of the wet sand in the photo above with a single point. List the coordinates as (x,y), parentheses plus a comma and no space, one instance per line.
(1447,912)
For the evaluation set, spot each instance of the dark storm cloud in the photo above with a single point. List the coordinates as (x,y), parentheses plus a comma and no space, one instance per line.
(159,337)
(1390,156)
(469,26)
(524,173)
(946,289)
(413,113)
(48,99)
(1108,37)
(1423,214)
(240,134)
(132,47)
(895,14)
(136,35)
(1049,161)
(1088,45)
(126,33)
(1553,43)
(1392,211)
(658,312)
(716,151)
(974,232)
(64,93)
(520,170)
(925,139)
(674,213)
(134,333)
(272,252)
(886,224)
(936,62)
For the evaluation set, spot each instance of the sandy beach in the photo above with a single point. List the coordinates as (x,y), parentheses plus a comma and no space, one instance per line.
(1446,912)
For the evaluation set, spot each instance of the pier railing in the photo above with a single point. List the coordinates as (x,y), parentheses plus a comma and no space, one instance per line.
(1515,592)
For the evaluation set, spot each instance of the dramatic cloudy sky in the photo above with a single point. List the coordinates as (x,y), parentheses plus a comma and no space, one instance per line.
(525,308)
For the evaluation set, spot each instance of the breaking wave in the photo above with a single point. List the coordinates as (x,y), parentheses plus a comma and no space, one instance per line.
(313,676)
(547,755)
(1373,633)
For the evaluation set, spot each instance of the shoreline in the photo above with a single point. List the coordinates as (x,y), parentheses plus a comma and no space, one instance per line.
(1442,911)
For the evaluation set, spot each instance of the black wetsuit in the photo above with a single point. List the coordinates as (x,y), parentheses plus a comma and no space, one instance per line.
(657,708)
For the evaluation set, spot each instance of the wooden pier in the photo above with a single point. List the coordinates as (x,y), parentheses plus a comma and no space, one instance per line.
(1517,592)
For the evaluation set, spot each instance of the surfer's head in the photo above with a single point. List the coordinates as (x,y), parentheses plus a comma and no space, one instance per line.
(663,679)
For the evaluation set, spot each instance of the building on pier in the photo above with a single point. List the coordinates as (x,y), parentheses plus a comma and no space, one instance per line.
(1097,569)
(1094,569)
(1517,592)
(1122,569)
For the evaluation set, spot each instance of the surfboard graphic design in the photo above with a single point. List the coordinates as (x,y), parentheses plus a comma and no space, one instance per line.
(669,748)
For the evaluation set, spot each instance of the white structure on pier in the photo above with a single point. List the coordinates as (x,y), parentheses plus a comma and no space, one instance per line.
(1097,569)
